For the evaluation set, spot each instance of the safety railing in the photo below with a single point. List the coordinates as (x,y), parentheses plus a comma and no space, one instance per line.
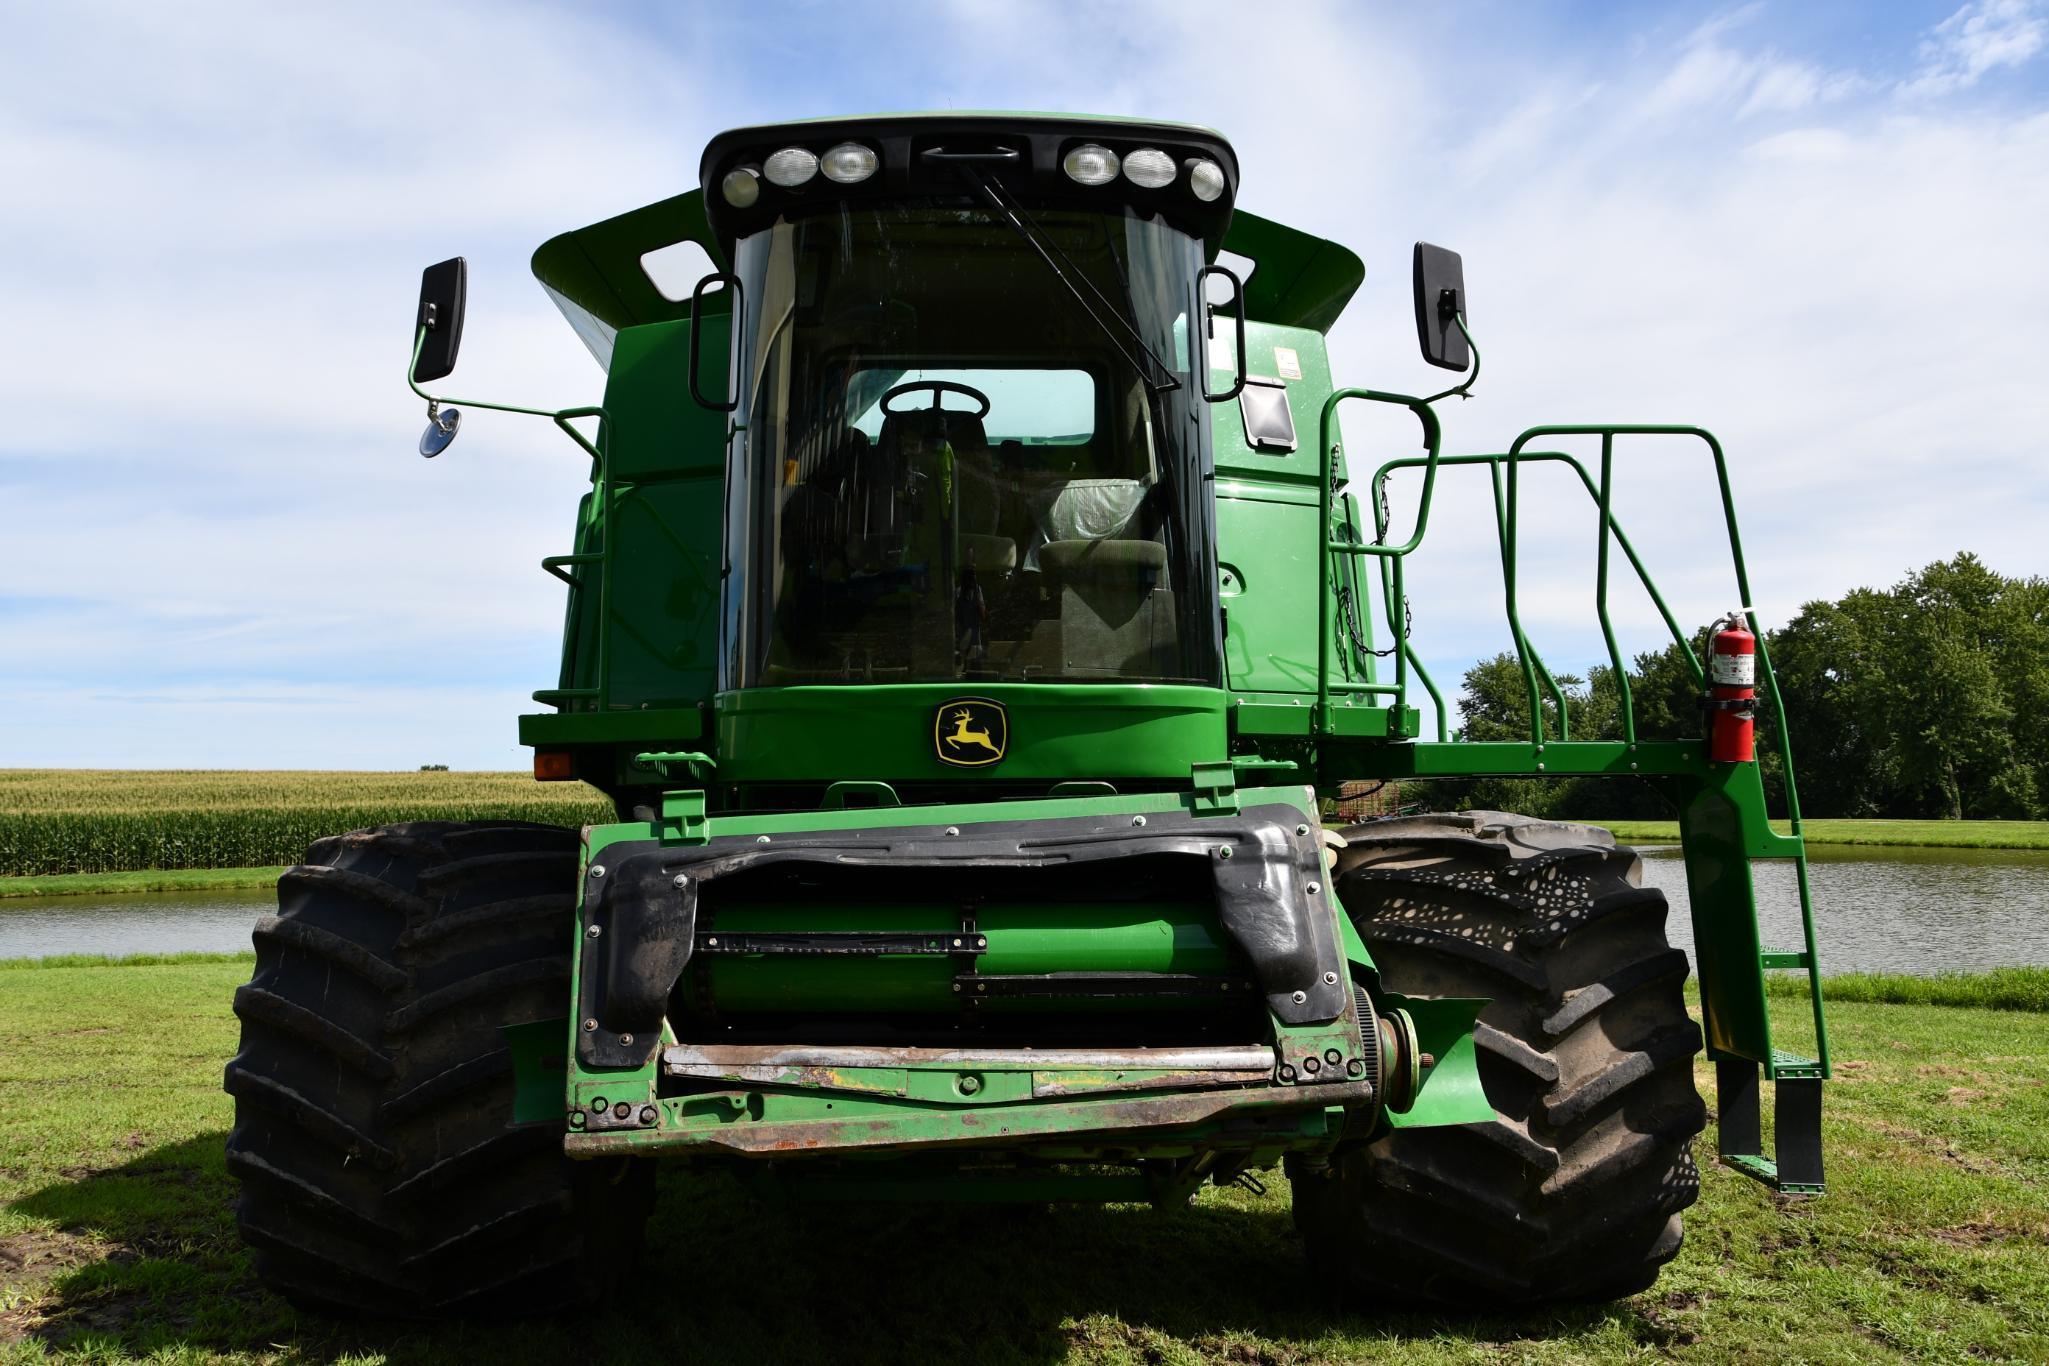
(1505,474)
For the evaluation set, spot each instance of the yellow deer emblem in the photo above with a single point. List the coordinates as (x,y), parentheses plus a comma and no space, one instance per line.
(970,733)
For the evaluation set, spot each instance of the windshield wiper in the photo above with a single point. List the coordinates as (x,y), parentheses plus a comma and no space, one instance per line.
(1021,222)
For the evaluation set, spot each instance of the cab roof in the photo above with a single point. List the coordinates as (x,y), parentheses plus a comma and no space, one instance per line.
(597,276)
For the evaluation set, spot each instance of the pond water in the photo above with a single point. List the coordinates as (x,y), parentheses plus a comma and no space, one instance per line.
(1893,910)
(1876,910)
(132,922)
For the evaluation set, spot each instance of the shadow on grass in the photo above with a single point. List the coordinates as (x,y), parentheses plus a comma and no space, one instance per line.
(146,1259)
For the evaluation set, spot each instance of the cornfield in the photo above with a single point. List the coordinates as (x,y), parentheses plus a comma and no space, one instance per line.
(103,821)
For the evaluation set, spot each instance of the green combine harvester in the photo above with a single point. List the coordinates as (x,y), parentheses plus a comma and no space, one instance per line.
(970,622)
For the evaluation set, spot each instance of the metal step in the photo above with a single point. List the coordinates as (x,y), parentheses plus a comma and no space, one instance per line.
(1795,1166)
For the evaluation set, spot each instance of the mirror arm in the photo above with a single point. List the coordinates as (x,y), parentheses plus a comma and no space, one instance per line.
(1463,389)
(560,416)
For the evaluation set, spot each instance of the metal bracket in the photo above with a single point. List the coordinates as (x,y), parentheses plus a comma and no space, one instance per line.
(1216,789)
(683,818)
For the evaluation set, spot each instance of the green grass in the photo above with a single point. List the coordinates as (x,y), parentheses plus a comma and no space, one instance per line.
(117,1238)
(1932,834)
(147,880)
(56,821)
(1997,989)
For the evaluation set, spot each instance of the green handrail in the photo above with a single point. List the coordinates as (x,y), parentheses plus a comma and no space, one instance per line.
(1432,439)
(1691,660)
(1525,653)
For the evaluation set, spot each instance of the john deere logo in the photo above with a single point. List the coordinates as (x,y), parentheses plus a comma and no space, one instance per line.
(970,732)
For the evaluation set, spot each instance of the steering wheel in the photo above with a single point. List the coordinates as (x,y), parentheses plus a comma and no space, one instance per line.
(938,387)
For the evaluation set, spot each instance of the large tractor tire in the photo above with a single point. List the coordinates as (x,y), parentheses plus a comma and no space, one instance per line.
(1574,1190)
(381,1172)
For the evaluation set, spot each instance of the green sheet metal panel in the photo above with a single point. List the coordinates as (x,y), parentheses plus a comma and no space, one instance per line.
(1056,731)
(663,499)
(1266,518)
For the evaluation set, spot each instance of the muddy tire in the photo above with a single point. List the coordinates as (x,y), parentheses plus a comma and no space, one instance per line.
(380,1170)
(1574,1191)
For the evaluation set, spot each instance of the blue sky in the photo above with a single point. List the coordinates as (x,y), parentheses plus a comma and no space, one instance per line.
(1814,227)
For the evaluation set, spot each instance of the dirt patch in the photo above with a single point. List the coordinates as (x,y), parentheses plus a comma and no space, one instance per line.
(28,1261)
(1935,1146)
(1964,1095)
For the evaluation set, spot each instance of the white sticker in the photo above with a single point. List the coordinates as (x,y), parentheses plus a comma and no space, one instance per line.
(1733,671)
(1221,354)
(1287,362)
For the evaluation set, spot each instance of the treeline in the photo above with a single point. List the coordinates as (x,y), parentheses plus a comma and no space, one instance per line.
(1927,700)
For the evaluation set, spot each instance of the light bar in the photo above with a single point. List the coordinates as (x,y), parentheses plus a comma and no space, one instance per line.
(1089,164)
(790,167)
(850,163)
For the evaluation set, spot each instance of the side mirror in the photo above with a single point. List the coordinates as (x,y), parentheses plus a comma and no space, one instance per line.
(731,400)
(1440,302)
(1209,313)
(442,289)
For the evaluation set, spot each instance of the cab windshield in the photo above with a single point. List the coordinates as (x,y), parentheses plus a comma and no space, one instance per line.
(951,470)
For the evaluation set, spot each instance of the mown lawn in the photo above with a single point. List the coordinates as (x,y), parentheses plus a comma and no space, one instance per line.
(117,1238)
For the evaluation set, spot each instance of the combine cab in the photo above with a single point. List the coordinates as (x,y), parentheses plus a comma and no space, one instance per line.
(970,625)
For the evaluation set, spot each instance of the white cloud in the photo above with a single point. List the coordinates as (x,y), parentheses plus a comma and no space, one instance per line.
(1982,36)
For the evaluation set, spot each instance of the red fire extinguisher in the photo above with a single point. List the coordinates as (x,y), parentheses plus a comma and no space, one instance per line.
(1731,702)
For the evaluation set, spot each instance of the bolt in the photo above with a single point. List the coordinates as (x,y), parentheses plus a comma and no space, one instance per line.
(1138,820)
(1287,1072)
(1301,829)
(590,1026)
(1632,767)
(1312,1064)
(576,1119)
(981,986)
(1355,1068)
(761,839)
(1300,996)
(956,943)
(598,1105)
(1540,768)
(648,1114)
(597,870)
(1315,887)
(712,942)
(593,932)
(621,1110)
(680,881)
(1223,851)
(970,1085)
(956,986)
(1332,1056)
(980,942)
(953,830)
(626,1041)
(1427,1061)
(1330,979)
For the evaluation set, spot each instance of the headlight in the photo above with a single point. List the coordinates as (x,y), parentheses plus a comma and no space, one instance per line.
(1206,178)
(1149,168)
(1089,164)
(849,163)
(790,167)
(741,188)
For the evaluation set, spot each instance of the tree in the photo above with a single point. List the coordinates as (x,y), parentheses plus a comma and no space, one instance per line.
(1930,698)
